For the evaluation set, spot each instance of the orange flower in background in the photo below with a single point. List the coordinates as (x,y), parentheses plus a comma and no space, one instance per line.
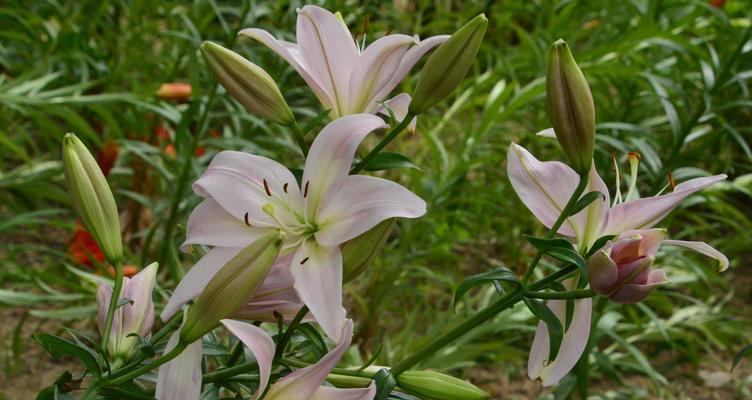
(174,91)
(83,248)
(128,270)
(717,3)
(107,156)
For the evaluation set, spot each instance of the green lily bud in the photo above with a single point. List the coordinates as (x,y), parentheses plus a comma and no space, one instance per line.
(570,106)
(448,65)
(358,253)
(248,83)
(232,287)
(92,198)
(432,385)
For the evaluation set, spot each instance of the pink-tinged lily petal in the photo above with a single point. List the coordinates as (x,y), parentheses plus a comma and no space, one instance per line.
(303,383)
(194,282)
(544,187)
(603,273)
(636,292)
(408,61)
(104,294)
(212,225)
(593,218)
(331,154)
(572,345)
(276,295)
(318,281)
(333,393)
(180,378)
(398,105)
(547,133)
(702,248)
(138,317)
(260,344)
(290,53)
(242,183)
(375,68)
(651,240)
(356,203)
(328,51)
(646,212)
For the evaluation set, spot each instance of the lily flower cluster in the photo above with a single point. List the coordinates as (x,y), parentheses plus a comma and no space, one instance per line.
(623,269)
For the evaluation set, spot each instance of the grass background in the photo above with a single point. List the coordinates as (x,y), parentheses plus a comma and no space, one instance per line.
(670,80)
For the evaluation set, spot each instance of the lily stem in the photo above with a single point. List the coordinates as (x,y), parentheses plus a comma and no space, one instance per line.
(282,343)
(380,146)
(581,185)
(116,289)
(483,315)
(150,366)
(574,294)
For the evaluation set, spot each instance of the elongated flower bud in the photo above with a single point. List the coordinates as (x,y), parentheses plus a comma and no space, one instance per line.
(137,317)
(358,253)
(248,83)
(623,269)
(92,198)
(447,66)
(437,386)
(570,106)
(232,287)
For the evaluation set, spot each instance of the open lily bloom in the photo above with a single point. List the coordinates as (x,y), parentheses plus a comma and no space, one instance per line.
(545,188)
(136,317)
(247,195)
(573,343)
(346,79)
(303,384)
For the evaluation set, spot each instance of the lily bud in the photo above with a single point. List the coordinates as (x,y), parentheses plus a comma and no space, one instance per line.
(447,66)
(92,198)
(437,386)
(232,287)
(570,106)
(358,253)
(248,83)
(137,317)
(623,269)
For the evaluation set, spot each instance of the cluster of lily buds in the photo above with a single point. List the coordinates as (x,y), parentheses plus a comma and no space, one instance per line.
(136,317)
(92,198)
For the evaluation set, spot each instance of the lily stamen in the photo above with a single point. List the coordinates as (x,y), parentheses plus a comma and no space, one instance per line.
(247,221)
(303,261)
(266,188)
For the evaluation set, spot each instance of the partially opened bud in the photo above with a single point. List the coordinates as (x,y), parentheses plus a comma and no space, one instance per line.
(232,287)
(623,269)
(570,106)
(92,198)
(136,317)
(437,386)
(358,253)
(248,83)
(447,66)
(174,91)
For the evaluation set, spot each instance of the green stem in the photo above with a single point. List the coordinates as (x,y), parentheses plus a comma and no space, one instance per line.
(299,137)
(148,367)
(581,185)
(229,372)
(338,371)
(168,328)
(574,294)
(282,343)
(483,315)
(113,305)
(380,146)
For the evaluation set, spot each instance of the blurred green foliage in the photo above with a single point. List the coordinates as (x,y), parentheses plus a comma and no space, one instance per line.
(670,80)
